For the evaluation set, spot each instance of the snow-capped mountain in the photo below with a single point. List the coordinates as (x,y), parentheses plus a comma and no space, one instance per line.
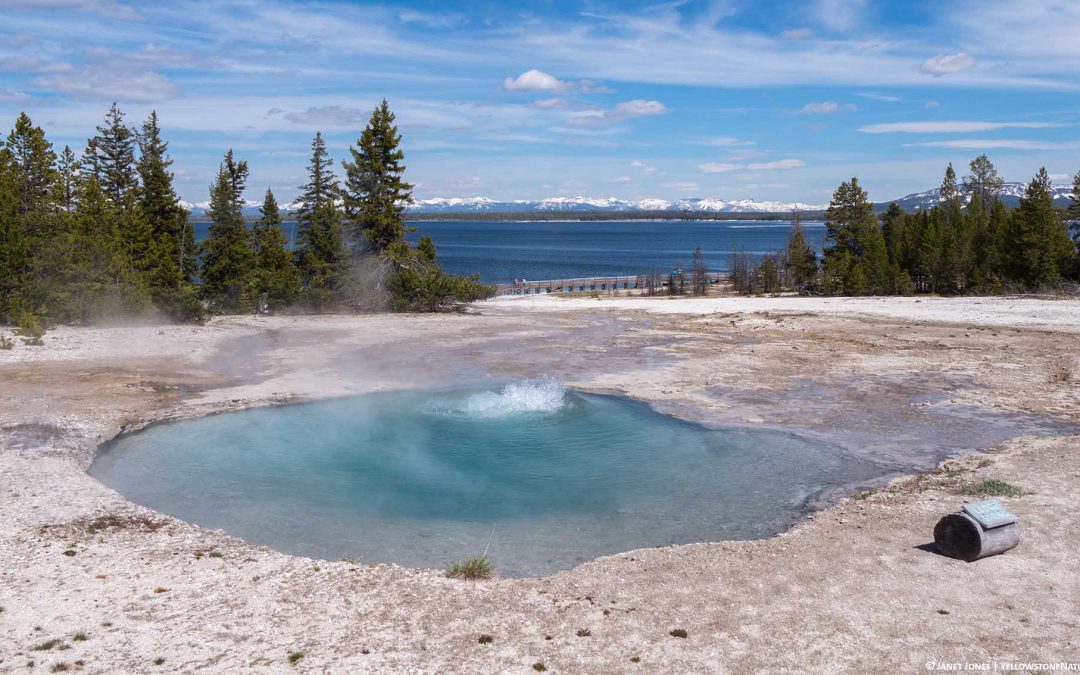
(1010,195)
(466,204)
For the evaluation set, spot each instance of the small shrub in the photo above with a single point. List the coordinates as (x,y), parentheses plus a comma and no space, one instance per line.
(46,646)
(217,554)
(678,632)
(584,632)
(31,330)
(539,666)
(473,568)
(158,661)
(106,624)
(80,637)
(485,639)
(635,659)
(295,657)
(59,667)
(992,487)
(5,343)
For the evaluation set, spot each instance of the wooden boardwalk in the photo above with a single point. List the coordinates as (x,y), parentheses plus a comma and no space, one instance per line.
(598,284)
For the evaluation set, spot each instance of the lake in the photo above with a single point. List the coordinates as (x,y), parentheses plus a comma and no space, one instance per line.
(502,251)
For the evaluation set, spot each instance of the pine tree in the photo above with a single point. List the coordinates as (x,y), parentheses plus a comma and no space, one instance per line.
(801,259)
(67,166)
(1036,242)
(983,183)
(855,261)
(322,186)
(171,263)
(32,166)
(228,254)
(277,280)
(110,157)
(375,192)
(1074,208)
(14,248)
(698,273)
(323,258)
(949,187)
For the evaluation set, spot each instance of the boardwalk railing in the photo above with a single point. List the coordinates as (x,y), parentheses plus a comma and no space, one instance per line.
(605,284)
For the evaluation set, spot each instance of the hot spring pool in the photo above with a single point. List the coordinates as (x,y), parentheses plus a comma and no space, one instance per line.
(420,478)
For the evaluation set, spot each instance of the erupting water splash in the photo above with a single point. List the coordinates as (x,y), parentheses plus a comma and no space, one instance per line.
(542,396)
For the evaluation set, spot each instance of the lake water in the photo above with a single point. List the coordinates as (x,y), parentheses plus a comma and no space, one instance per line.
(502,251)
(421,478)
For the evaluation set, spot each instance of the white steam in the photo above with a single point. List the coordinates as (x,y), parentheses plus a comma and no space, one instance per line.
(528,397)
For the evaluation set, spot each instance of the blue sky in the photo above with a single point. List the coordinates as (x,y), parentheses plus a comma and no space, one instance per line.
(730,99)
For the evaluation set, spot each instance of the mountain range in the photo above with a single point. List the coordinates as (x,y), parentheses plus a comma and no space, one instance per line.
(1010,194)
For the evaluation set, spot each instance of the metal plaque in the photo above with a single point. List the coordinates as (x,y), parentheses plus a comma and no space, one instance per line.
(990,513)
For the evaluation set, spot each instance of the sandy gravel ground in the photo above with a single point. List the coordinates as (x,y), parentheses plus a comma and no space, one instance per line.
(912,385)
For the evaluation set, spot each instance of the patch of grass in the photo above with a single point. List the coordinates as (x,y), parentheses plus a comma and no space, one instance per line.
(47,645)
(59,667)
(485,639)
(345,559)
(5,343)
(635,659)
(80,637)
(217,554)
(862,495)
(584,632)
(992,487)
(106,624)
(539,666)
(678,632)
(473,568)
(158,661)
(295,657)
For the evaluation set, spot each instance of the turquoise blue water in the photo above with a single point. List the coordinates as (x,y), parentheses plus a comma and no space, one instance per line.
(422,478)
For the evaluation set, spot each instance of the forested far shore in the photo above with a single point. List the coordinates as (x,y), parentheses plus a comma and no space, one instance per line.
(978,247)
(103,234)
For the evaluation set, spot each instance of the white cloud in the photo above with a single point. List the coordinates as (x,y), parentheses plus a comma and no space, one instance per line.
(944,64)
(11,96)
(932,104)
(621,179)
(621,112)
(839,15)
(726,142)
(778,164)
(109,83)
(825,108)
(884,98)
(533,80)
(718,167)
(997,144)
(950,127)
(685,187)
(330,115)
(797,34)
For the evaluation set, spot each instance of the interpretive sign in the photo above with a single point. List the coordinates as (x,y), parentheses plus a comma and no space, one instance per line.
(990,513)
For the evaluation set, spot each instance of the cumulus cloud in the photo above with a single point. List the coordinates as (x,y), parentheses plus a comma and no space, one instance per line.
(954,127)
(533,80)
(825,108)
(777,165)
(944,64)
(621,112)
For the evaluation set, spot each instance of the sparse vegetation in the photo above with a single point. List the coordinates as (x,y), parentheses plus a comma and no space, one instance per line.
(295,657)
(5,343)
(80,637)
(539,667)
(59,667)
(485,639)
(584,632)
(473,568)
(678,632)
(158,661)
(992,487)
(217,554)
(161,589)
(635,659)
(47,645)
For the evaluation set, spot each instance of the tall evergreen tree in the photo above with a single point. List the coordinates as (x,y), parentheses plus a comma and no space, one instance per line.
(1074,208)
(323,258)
(801,259)
(228,254)
(110,156)
(32,165)
(949,187)
(67,183)
(983,183)
(375,191)
(855,260)
(1036,242)
(322,185)
(277,280)
(171,252)
(14,248)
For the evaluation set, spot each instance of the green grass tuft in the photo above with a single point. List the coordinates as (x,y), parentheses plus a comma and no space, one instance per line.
(46,646)
(295,657)
(158,661)
(80,637)
(473,568)
(992,487)
(539,666)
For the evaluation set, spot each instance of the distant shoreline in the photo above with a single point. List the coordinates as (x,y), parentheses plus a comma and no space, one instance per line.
(584,216)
